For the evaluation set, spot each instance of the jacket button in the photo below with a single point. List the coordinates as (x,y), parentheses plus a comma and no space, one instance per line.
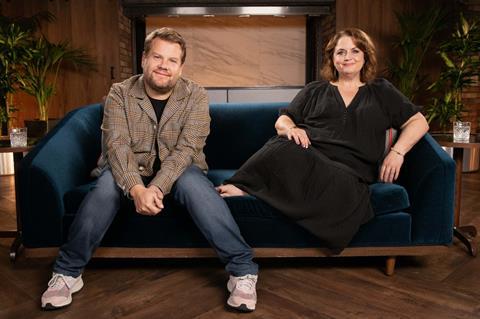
(141,168)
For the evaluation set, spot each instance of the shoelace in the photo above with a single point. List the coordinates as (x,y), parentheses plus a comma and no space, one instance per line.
(55,282)
(246,283)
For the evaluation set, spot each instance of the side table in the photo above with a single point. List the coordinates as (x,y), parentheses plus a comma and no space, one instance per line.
(466,234)
(18,153)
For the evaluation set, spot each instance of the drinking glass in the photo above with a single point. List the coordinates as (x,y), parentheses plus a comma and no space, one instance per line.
(461,131)
(18,137)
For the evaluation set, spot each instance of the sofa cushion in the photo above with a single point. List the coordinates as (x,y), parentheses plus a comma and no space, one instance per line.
(217,176)
(237,131)
(257,221)
(385,198)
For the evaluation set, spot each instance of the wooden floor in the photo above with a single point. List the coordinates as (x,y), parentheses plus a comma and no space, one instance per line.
(435,286)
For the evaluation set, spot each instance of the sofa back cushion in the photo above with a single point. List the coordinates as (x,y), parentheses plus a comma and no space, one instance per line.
(237,131)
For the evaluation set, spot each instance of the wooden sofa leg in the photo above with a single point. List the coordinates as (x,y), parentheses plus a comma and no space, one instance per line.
(390,265)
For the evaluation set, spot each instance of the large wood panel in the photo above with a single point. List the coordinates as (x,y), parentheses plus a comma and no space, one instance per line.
(89,24)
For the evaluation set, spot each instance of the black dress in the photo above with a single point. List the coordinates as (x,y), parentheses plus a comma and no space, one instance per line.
(324,188)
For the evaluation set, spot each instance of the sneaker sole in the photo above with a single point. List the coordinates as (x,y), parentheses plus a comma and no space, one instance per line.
(242,307)
(50,307)
(76,288)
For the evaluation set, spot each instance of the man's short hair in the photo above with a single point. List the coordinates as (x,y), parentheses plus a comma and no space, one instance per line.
(169,35)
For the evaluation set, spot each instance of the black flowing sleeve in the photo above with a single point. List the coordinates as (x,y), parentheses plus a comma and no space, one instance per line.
(397,106)
(295,109)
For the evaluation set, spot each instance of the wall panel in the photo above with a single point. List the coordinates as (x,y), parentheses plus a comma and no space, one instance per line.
(241,52)
(377,18)
(89,24)
(94,25)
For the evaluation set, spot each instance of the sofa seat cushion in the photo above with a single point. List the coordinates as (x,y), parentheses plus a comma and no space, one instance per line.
(385,198)
(260,224)
(257,221)
(173,227)
(388,198)
(264,226)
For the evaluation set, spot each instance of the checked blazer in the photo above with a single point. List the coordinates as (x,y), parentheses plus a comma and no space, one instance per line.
(130,130)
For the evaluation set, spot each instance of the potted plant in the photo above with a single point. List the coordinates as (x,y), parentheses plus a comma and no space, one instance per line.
(416,32)
(40,75)
(15,52)
(461,68)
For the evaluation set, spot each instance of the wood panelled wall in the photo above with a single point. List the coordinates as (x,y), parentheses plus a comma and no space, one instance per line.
(89,24)
(471,96)
(377,18)
(98,26)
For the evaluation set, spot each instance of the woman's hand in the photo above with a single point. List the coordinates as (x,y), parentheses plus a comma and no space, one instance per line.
(411,131)
(299,136)
(391,167)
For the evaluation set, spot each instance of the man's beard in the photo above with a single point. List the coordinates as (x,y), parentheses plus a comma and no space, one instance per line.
(160,89)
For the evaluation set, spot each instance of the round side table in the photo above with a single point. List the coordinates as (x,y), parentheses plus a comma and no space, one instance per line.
(466,234)
(18,153)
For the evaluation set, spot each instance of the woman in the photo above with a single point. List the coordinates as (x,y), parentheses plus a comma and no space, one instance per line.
(331,143)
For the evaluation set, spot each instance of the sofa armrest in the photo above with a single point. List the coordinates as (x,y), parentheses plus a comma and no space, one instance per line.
(61,161)
(428,175)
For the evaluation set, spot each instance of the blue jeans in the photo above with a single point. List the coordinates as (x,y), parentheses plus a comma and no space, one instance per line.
(192,189)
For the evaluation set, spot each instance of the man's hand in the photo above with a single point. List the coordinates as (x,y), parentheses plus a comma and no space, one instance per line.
(148,200)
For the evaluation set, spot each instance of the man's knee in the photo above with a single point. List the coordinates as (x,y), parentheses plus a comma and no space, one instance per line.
(192,177)
(102,202)
(106,187)
(192,184)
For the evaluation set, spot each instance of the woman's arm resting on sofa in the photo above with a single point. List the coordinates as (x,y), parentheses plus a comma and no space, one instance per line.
(411,132)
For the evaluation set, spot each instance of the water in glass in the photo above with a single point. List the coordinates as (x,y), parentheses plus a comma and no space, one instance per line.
(18,137)
(461,131)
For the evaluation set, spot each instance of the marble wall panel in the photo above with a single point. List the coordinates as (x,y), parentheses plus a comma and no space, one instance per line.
(241,52)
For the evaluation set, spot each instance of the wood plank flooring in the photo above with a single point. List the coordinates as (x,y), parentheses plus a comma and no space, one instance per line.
(445,285)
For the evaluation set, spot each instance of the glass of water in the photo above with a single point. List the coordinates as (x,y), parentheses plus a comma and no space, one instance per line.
(18,137)
(461,132)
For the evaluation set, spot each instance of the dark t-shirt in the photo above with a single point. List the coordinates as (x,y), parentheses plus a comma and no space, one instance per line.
(353,136)
(158,106)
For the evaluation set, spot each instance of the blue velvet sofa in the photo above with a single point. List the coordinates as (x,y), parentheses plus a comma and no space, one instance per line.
(414,216)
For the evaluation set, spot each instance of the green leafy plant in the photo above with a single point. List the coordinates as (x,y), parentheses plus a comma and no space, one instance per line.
(461,67)
(15,52)
(40,74)
(417,30)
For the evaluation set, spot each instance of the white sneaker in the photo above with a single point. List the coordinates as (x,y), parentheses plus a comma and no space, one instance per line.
(243,294)
(60,290)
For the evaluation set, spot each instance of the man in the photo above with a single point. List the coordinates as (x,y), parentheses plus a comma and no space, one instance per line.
(154,130)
